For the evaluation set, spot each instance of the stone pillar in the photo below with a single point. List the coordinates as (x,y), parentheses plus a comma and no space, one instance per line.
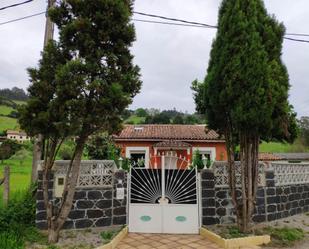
(208,197)
(40,219)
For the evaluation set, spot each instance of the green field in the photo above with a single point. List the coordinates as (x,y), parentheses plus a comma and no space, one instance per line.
(274,147)
(5,110)
(133,119)
(7,123)
(19,102)
(20,174)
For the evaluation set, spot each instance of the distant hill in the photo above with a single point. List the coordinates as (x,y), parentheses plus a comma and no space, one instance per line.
(14,94)
(155,116)
(10,99)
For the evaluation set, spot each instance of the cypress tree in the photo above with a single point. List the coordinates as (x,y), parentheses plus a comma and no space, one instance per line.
(245,92)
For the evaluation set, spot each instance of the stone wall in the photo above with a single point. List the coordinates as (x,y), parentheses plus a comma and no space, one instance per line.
(273,202)
(92,207)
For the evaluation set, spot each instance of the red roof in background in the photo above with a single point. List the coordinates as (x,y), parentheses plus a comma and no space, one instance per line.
(265,156)
(166,132)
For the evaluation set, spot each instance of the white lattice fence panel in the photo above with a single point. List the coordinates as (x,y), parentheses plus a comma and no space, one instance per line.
(287,173)
(91,174)
(221,174)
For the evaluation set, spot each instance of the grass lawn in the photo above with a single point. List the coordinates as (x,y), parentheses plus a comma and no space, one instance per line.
(5,110)
(282,147)
(8,123)
(135,120)
(275,147)
(20,174)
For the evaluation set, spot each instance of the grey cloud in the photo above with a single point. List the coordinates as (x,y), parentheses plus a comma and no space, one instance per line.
(170,57)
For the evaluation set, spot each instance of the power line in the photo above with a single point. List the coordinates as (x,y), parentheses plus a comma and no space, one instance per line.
(168,23)
(183,23)
(15,5)
(297,40)
(296,34)
(203,25)
(175,19)
(22,18)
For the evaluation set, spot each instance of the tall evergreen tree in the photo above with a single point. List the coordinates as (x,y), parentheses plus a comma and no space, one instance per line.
(245,92)
(82,85)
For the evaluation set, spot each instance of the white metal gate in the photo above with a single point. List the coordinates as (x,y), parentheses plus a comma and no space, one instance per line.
(164,200)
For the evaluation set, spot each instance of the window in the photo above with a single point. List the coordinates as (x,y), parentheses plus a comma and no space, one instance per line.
(137,159)
(139,156)
(208,152)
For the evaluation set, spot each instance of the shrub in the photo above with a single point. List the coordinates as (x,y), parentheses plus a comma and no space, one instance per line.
(11,240)
(102,147)
(66,150)
(107,235)
(19,213)
(17,221)
(284,236)
(197,160)
(8,148)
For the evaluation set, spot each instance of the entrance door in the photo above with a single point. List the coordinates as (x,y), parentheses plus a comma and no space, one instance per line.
(163,200)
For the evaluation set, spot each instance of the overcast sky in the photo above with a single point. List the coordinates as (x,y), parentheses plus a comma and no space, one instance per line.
(170,57)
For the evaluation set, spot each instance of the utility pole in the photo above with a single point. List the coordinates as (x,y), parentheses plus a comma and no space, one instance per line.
(38,142)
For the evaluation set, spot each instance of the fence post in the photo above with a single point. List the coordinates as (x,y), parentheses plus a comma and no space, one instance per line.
(6,185)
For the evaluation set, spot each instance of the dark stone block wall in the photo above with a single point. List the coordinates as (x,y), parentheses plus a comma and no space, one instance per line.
(272,202)
(92,207)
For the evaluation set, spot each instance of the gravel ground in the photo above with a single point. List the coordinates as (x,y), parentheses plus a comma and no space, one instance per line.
(77,239)
(297,221)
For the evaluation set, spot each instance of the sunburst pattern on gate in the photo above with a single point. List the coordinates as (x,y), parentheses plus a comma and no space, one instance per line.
(178,185)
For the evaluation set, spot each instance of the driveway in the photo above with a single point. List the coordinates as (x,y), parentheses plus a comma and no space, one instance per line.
(165,241)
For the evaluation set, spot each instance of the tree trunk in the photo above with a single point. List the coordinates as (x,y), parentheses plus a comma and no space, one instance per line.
(249,177)
(232,172)
(58,220)
(37,151)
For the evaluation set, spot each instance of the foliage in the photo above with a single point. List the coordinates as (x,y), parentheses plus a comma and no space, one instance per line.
(304,130)
(101,146)
(245,91)
(161,118)
(178,120)
(19,212)
(107,235)
(66,150)
(125,163)
(8,148)
(155,116)
(11,240)
(13,94)
(284,237)
(140,112)
(13,114)
(82,85)
(197,160)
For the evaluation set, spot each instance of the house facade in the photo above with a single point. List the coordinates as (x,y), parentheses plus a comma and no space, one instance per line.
(145,144)
(18,136)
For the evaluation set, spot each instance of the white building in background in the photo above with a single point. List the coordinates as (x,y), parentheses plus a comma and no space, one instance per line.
(19,136)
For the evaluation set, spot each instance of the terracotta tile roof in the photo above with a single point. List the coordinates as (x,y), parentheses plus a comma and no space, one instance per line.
(13,132)
(265,156)
(172,144)
(293,156)
(167,132)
